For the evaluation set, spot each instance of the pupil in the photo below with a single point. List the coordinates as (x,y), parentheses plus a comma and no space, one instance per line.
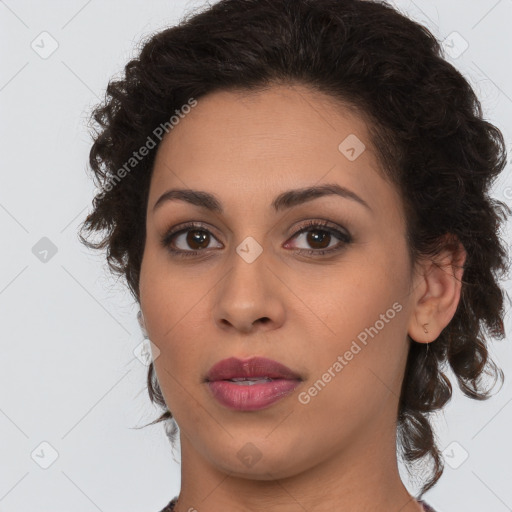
(197,237)
(318,238)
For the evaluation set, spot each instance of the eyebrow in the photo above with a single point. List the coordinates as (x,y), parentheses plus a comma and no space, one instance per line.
(283,201)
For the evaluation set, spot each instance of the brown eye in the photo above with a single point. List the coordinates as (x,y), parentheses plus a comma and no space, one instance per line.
(188,241)
(318,236)
(197,239)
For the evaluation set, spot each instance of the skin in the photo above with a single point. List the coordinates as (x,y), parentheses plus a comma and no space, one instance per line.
(336,452)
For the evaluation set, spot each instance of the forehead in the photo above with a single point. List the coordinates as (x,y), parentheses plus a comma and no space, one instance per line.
(279,138)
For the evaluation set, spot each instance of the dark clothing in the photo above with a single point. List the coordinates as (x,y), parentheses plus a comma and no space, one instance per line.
(170,506)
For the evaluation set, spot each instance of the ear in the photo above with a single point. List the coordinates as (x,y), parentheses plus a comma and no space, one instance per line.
(437,291)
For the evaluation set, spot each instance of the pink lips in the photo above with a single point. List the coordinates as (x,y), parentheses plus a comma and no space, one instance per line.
(274,381)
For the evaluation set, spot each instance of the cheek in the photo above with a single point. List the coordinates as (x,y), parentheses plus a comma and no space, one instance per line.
(364,286)
(357,377)
(181,341)
(175,305)
(366,313)
(171,300)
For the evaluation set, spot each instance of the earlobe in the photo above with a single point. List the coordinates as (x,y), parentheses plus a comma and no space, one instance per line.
(439,292)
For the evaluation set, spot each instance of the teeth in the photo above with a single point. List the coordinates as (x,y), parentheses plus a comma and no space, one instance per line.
(251,378)
(250,381)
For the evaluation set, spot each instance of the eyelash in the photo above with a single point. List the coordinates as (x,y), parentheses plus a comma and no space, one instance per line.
(308,226)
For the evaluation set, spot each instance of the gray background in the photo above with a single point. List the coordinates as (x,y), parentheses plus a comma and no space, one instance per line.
(69,376)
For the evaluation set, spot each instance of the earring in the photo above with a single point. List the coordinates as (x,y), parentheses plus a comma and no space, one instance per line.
(142,324)
(425,328)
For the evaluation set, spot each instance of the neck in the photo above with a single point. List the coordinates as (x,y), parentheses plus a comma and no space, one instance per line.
(362,476)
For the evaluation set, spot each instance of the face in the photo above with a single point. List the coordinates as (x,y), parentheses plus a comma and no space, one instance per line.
(318,282)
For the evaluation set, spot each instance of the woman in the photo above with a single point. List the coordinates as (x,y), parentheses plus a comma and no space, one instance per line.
(297,195)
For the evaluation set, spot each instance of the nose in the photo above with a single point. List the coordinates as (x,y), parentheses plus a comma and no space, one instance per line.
(249,297)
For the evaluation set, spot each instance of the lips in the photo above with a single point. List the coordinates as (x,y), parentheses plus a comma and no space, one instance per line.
(255,368)
(251,384)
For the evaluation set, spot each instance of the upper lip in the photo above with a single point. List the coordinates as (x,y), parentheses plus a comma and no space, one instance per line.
(233,368)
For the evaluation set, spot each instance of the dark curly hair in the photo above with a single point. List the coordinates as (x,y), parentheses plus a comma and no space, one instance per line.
(426,125)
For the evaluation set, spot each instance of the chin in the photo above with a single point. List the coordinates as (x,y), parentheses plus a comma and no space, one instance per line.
(250,463)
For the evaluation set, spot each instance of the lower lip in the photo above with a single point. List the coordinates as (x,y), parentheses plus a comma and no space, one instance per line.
(251,397)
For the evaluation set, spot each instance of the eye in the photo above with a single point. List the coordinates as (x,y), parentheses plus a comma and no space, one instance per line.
(194,239)
(319,235)
(192,235)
